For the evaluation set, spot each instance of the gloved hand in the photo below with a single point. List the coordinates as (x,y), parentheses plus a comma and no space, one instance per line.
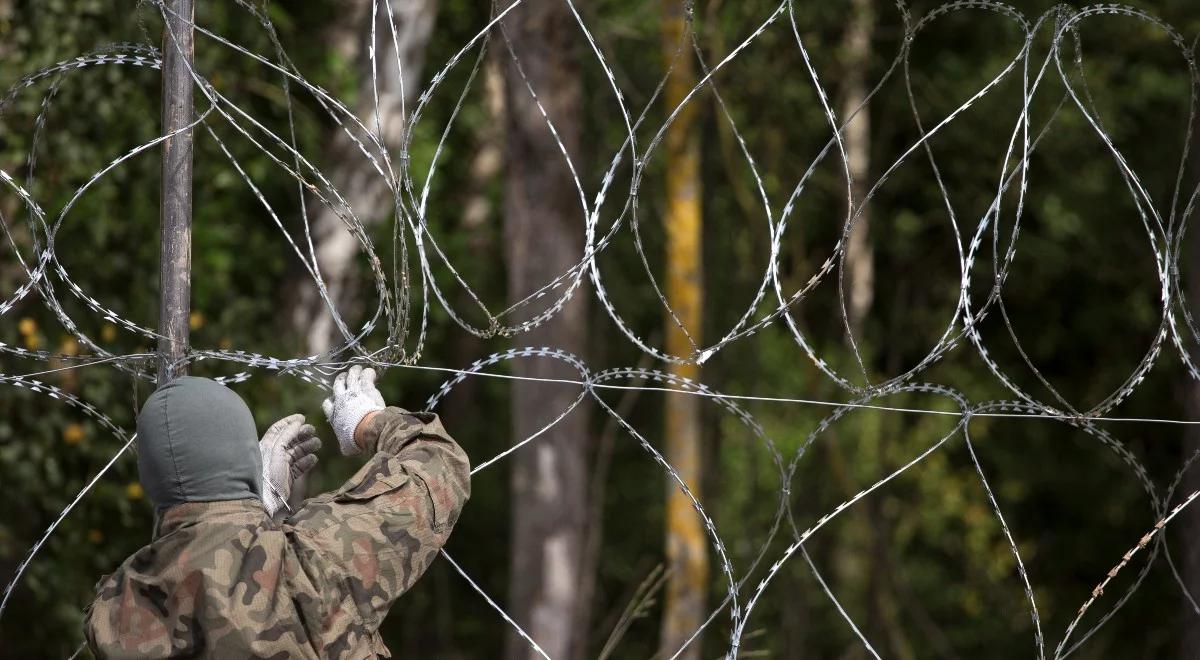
(354,397)
(289,450)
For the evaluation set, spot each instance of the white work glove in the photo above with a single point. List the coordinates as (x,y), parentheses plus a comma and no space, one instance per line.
(289,451)
(354,397)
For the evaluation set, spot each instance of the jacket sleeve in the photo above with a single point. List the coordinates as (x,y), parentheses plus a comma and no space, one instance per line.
(378,533)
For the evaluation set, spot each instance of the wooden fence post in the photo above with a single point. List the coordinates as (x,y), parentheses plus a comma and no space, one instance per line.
(175,220)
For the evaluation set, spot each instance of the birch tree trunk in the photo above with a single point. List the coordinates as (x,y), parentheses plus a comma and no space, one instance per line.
(350,172)
(860,255)
(358,182)
(860,282)
(486,165)
(544,236)
(686,545)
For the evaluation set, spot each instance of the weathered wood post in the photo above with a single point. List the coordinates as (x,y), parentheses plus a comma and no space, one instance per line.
(175,219)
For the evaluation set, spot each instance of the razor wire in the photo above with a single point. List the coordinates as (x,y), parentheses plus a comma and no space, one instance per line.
(406,297)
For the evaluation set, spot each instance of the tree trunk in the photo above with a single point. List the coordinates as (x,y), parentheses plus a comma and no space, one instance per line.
(860,281)
(1189,559)
(686,545)
(487,163)
(544,225)
(365,191)
(860,255)
(351,173)
(1190,524)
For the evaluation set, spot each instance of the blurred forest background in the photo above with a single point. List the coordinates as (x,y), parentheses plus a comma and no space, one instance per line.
(922,566)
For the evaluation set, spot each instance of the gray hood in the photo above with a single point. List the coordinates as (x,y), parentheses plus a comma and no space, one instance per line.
(197,443)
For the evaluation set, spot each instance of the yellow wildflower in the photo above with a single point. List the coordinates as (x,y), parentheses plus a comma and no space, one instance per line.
(70,346)
(134,491)
(73,434)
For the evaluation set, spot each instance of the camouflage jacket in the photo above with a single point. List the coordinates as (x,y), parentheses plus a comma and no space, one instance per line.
(222,580)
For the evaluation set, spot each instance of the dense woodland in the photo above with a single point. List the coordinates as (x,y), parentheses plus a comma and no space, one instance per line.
(922,565)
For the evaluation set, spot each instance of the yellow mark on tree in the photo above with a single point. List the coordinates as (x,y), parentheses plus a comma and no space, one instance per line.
(686,545)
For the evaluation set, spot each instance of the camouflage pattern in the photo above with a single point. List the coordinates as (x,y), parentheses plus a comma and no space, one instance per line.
(222,580)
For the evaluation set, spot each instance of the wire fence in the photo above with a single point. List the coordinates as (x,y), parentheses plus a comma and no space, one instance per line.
(395,334)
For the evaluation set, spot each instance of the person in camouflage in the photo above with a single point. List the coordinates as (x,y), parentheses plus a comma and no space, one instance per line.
(222,578)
